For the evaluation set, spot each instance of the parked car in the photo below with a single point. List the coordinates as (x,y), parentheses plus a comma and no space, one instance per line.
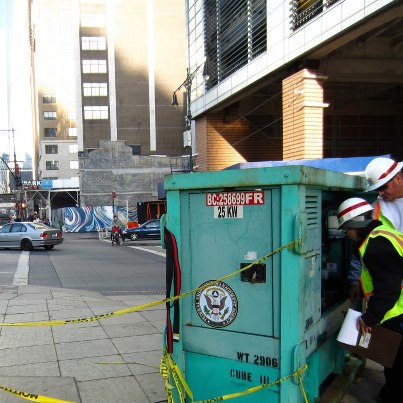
(150,229)
(29,235)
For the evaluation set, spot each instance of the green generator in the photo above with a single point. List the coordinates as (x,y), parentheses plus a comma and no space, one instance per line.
(256,270)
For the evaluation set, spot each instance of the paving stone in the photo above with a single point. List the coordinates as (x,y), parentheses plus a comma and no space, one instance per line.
(27,355)
(83,349)
(25,336)
(128,329)
(29,308)
(85,369)
(134,344)
(122,390)
(68,334)
(153,386)
(38,369)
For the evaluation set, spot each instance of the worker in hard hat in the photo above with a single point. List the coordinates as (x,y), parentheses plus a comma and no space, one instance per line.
(380,249)
(385,176)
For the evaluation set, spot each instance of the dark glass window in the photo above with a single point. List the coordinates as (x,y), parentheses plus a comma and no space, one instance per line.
(304,10)
(49,99)
(51,149)
(50,132)
(52,165)
(235,34)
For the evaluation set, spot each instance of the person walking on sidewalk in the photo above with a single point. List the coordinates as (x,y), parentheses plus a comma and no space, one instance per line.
(384,176)
(380,249)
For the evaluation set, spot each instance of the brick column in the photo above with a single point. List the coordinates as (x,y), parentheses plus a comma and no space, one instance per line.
(303,116)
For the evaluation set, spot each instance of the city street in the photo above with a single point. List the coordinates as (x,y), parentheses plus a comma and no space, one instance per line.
(86,262)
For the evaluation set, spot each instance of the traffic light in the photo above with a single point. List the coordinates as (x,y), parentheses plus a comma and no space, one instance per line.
(18,181)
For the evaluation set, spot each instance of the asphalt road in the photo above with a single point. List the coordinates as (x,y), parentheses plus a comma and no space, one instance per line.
(86,262)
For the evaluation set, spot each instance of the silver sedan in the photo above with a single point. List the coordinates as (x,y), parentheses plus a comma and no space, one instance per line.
(29,235)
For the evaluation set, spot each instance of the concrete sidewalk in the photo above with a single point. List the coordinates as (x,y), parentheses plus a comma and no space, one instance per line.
(63,362)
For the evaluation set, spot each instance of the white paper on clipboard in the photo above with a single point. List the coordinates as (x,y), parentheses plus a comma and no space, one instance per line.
(349,333)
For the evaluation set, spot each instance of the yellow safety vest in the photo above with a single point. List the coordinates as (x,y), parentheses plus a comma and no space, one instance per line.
(379,216)
(396,238)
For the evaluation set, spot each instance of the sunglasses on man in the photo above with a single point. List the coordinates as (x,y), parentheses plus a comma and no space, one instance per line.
(383,187)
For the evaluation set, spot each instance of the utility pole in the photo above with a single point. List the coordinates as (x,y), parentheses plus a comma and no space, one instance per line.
(19,196)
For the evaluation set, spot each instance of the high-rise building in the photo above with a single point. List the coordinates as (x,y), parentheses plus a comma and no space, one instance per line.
(105,70)
(296,79)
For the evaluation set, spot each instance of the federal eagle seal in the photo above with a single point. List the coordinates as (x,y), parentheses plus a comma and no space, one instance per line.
(216,303)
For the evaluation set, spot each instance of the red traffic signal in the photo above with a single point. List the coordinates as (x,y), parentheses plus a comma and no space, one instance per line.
(113,195)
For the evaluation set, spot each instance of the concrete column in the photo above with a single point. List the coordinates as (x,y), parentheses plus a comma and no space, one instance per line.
(303,116)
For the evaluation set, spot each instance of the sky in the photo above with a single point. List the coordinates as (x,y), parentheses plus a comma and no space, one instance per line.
(15,99)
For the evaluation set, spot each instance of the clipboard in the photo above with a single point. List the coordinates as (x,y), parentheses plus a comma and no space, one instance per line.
(380,345)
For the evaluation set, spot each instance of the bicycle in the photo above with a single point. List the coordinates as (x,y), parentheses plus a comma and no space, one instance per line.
(115,236)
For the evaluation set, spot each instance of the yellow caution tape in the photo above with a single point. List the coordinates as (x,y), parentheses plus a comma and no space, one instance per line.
(258,388)
(165,375)
(33,397)
(175,369)
(149,304)
(177,375)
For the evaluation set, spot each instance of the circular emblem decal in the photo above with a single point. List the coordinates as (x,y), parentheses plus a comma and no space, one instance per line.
(216,304)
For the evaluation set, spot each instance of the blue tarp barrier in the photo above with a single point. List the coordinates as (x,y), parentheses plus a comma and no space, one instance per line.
(346,165)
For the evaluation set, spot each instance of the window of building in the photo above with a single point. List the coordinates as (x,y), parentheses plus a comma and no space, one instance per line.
(73,164)
(49,115)
(49,99)
(51,149)
(52,165)
(93,20)
(95,112)
(305,10)
(50,132)
(72,131)
(235,35)
(73,148)
(95,89)
(95,66)
(93,43)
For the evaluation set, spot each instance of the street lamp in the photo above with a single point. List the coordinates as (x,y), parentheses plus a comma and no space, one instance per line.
(187,84)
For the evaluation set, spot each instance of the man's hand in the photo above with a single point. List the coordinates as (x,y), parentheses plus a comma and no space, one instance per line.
(362,327)
(354,293)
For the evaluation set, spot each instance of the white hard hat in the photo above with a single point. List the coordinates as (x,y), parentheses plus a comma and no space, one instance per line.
(352,211)
(380,171)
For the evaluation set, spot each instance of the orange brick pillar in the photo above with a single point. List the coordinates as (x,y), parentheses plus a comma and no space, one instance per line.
(303,116)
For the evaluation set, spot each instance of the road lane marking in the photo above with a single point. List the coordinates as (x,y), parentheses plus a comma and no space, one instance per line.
(148,250)
(21,274)
(163,254)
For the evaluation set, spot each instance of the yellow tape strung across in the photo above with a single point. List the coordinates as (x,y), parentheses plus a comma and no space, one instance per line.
(174,367)
(176,373)
(149,304)
(33,397)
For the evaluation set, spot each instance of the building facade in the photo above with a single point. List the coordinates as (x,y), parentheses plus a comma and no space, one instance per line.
(105,70)
(296,79)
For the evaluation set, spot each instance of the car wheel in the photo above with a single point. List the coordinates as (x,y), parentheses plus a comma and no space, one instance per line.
(26,244)
(48,247)
(134,236)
